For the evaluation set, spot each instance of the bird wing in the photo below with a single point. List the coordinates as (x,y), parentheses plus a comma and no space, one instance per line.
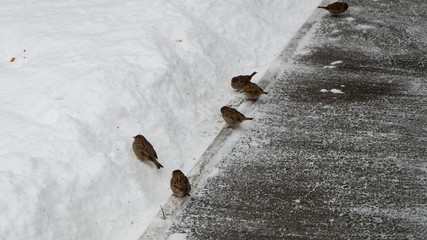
(141,148)
(183,184)
(253,91)
(239,115)
(335,6)
(146,149)
(152,152)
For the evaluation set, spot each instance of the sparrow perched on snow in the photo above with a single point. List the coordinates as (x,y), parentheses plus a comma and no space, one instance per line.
(336,8)
(144,151)
(253,91)
(179,184)
(240,81)
(232,117)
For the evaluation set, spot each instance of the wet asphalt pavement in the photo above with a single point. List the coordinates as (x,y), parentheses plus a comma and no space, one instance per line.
(338,149)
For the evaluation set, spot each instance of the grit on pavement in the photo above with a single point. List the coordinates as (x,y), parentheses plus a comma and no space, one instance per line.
(338,148)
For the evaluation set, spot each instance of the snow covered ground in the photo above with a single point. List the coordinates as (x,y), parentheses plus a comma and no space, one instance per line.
(96,73)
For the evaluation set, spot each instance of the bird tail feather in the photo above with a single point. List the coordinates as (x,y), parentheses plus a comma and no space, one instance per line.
(158,165)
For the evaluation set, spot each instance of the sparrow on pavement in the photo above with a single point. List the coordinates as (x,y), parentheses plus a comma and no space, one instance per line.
(179,184)
(336,8)
(253,91)
(144,151)
(240,81)
(233,117)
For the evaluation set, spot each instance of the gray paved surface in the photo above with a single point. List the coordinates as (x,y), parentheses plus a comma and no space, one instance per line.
(316,165)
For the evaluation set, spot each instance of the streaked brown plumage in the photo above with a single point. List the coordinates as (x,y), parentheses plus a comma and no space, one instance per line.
(179,184)
(240,81)
(144,151)
(336,8)
(253,91)
(233,117)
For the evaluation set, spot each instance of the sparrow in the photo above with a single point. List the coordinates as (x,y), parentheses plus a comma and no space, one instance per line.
(253,91)
(233,117)
(336,8)
(179,184)
(144,151)
(240,81)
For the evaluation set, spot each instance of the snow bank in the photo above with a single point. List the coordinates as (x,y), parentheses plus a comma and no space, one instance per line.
(95,74)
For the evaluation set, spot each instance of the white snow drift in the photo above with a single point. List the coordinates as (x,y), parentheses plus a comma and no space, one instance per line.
(95,74)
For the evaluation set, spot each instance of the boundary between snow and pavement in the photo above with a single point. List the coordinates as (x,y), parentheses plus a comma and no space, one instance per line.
(168,212)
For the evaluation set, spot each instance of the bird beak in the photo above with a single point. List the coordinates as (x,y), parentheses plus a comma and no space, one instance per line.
(134,137)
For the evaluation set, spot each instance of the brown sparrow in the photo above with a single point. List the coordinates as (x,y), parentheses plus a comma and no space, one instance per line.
(232,117)
(240,81)
(179,184)
(336,8)
(144,151)
(253,91)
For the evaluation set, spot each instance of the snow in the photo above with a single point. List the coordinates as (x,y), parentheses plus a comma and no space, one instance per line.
(336,91)
(333,90)
(96,73)
(329,67)
(364,27)
(177,236)
(350,19)
(333,64)
(336,62)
